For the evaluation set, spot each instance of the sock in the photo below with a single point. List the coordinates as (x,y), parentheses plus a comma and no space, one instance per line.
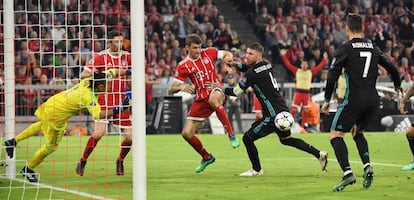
(125,147)
(252,152)
(40,155)
(301,145)
(305,114)
(341,152)
(222,116)
(196,144)
(362,146)
(32,130)
(90,146)
(411,143)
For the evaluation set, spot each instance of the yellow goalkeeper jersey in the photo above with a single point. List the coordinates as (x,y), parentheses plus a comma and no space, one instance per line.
(60,107)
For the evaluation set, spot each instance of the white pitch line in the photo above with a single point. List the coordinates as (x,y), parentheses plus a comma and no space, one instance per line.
(41,185)
(352,161)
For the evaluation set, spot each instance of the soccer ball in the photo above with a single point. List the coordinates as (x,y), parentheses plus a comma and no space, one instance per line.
(284,121)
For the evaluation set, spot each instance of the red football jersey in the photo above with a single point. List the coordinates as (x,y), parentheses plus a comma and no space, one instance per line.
(104,60)
(200,71)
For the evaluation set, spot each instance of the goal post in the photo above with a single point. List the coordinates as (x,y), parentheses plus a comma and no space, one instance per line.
(28,30)
(9,91)
(138,91)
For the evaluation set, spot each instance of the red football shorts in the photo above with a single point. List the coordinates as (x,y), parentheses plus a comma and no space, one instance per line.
(109,101)
(301,99)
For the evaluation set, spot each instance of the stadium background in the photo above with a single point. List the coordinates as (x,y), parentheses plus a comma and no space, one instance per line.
(40,43)
(55,38)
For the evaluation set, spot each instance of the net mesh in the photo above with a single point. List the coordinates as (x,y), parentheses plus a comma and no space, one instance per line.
(54,41)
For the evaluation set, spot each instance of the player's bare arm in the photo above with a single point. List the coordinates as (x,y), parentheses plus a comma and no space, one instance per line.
(86,73)
(407,96)
(177,86)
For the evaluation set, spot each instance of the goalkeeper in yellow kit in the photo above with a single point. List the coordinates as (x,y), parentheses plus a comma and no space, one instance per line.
(56,111)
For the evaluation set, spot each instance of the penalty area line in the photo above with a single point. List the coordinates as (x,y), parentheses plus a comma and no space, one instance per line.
(53,188)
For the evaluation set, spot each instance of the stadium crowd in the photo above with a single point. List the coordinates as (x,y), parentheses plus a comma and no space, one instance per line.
(54,40)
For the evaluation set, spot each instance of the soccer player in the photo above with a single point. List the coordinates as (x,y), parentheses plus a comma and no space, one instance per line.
(360,58)
(112,58)
(56,111)
(410,131)
(259,76)
(303,77)
(200,68)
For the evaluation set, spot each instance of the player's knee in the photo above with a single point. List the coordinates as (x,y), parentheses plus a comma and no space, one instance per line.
(51,148)
(247,139)
(186,134)
(286,141)
(97,134)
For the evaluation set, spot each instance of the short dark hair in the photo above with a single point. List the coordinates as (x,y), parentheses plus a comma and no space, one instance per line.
(114,33)
(256,46)
(193,39)
(354,22)
(97,78)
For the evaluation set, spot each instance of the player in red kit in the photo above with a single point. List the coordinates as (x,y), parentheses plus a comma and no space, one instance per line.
(112,58)
(199,66)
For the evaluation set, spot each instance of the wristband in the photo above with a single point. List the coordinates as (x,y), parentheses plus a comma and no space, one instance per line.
(326,100)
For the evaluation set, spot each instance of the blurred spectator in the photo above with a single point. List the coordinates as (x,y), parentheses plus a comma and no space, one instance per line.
(261,22)
(150,79)
(167,77)
(180,26)
(29,100)
(407,83)
(221,36)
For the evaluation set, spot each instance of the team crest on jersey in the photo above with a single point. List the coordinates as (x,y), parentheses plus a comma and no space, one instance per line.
(205,61)
(91,61)
(200,75)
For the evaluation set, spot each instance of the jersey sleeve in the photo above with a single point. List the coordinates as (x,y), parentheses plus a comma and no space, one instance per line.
(391,69)
(181,73)
(214,54)
(242,67)
(96,63)
(335,70)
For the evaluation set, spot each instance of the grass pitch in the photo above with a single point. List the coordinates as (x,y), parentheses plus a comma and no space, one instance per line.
(288,173)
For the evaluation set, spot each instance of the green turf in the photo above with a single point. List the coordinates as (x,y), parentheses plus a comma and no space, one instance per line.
(288,173)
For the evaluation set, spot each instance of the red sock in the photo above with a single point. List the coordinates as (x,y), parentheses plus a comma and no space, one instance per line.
(305,117)
(196,144)
(90,146)
(125,147)
(222,116)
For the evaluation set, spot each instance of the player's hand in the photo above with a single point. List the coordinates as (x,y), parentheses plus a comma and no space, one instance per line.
(228,69)
(402,108)
(400,91)
(235,65)
(325,56)
(187,88)
(325,108)
(283,52)
(228,59)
